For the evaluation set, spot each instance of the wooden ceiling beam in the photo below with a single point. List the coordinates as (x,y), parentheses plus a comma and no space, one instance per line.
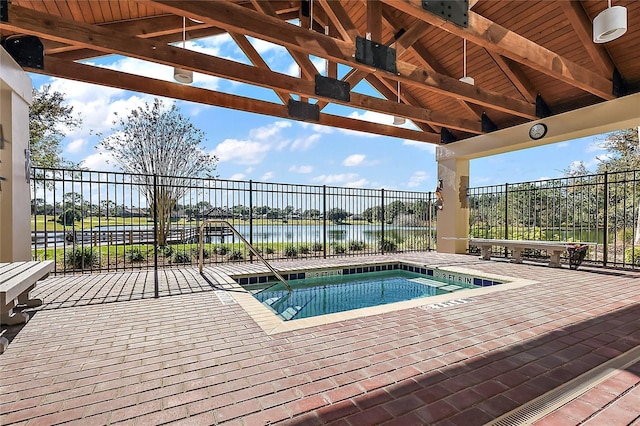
(237,18)
(515,75)
(389,91)
(111,42)
(582,25)
(374,20)
(256,60)
(307,69)
(337,15)
(423,55)
(505,42)
(117,79)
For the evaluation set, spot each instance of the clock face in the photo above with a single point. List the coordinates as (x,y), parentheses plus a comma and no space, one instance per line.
(537,131)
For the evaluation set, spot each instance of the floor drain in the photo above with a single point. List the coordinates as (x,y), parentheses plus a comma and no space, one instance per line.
(550,401)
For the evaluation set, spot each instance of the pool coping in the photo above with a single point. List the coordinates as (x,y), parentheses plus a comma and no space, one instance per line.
(270,323)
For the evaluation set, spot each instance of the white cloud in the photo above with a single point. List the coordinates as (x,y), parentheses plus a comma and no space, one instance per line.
(424,146)
(100,161)
(241,152)
(76,145)
(301,169)
(237,176)
(305,143)
(267,176)
(344,179)
(417,179)
(270,131)
(354,160)
(316,128)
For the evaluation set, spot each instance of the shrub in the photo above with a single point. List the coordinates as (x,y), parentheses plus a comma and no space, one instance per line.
(303,249)
(181,256)
(290,250)
(166,251)
(317,247)
(269,250)
(136,255)
(195,252)
(388,246)
(356,245)
(632,255)
(236,255)
(339,248)
(81,258)
(221,250)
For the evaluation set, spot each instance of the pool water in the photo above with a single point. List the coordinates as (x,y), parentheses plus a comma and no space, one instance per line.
(324,295)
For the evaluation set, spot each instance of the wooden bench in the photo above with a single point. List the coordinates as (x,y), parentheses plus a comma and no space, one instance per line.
(553,248)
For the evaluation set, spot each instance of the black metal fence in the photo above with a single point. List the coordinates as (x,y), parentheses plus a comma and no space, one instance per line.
(108,221)
(602,209)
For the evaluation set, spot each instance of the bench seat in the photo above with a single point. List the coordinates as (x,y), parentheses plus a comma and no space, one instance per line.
(554,248)
(17,279)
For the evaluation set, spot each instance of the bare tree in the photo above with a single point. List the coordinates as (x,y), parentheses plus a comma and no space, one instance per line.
(163,150)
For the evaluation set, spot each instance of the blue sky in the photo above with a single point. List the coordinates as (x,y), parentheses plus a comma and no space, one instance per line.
(269,149)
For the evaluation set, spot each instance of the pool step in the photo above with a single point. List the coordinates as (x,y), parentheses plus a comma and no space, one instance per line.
(290,312)
(451,287)
(430,283)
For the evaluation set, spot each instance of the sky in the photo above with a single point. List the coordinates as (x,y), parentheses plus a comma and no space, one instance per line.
(271,149)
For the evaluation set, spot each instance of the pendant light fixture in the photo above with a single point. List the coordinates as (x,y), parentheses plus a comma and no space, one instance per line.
(181,75)
(399,121)
(610,24)
(465,78)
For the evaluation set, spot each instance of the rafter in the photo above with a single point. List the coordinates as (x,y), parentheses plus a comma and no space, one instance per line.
(503,41)
(582,25)
(117,79)
(236,18)
(256,59)
(515,74)
(117,43)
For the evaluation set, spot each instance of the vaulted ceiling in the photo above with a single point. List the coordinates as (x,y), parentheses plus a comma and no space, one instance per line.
(529,59)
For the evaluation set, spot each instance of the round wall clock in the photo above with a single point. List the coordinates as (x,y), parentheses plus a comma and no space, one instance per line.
(537,131)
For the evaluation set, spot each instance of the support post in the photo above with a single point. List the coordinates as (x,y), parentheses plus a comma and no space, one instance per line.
(452,222)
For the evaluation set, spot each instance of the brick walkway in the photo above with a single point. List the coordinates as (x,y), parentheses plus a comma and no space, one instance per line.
(102,350)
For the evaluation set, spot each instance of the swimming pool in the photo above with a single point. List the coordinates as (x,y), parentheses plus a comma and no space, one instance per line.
(325,292)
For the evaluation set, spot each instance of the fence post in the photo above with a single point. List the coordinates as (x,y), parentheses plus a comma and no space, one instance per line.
(605,231)
(156,290)
(506,216)
(382,226)
(324,221)
(251,218)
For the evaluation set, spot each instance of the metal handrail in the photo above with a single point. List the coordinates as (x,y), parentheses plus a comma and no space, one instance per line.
(253,250)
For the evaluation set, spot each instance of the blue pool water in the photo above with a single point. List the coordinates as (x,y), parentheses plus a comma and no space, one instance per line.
(324,295)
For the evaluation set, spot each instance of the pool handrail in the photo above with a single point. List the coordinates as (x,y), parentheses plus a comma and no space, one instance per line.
(251,248)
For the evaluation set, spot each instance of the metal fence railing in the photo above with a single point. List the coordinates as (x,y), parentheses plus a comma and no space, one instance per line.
(601,209)
(108,221)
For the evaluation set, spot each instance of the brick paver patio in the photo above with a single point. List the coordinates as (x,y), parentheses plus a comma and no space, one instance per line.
(102,350)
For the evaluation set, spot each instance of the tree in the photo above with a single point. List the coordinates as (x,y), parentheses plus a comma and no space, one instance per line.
(49,119)
(159,145)
(337,215)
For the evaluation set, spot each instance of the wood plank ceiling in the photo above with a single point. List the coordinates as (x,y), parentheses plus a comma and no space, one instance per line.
(522,54)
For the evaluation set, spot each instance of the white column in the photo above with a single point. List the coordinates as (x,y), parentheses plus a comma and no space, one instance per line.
(15,197)
(453,220)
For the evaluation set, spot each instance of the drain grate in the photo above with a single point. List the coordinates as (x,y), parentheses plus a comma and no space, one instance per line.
(545,404)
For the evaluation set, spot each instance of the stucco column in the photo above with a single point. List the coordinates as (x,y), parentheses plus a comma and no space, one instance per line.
(453,219)
(15,197)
